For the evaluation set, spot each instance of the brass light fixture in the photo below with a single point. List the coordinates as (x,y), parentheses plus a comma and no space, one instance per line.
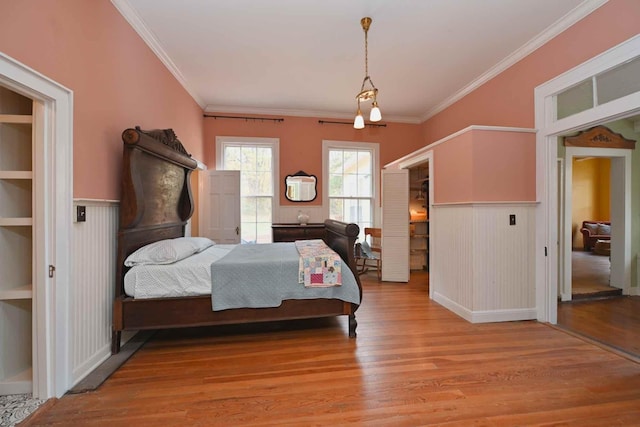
(370,92)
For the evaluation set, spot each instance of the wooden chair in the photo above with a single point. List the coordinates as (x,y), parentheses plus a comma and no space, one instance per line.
(368,253)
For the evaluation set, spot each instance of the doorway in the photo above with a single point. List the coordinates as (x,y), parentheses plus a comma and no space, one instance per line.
(551,125)
(53,207)
(605,204)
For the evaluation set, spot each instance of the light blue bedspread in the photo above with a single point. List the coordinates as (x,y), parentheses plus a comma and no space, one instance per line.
(264,275)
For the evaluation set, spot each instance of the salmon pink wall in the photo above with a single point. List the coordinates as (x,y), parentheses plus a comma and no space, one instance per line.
(508,99)
(453,169)
(117,82)
(504,166)
(484,165)
(301,141)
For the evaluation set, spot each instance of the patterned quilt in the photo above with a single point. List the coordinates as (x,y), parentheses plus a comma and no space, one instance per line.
(319,265)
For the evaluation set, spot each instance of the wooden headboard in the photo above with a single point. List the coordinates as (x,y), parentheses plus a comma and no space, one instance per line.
(156,200)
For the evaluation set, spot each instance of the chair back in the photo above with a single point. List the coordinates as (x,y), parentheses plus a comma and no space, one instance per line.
(373,236)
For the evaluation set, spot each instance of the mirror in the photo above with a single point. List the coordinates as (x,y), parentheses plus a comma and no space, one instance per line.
(300,187)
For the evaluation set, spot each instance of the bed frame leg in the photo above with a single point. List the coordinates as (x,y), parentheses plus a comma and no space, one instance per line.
(353,324)
(115,341)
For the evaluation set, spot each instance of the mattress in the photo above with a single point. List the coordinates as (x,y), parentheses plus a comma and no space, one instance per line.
(188,277)
(192,277)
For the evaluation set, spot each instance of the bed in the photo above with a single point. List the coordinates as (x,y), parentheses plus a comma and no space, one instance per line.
(156,203)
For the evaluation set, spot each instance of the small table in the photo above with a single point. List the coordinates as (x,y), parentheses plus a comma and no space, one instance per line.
(291,232)
(602,247)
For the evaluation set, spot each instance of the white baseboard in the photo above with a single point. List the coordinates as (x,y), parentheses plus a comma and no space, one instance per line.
(461,311)
(487,316)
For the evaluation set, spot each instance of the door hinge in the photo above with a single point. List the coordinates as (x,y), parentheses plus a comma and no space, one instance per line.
(545,251)
(237,231)
(52,268)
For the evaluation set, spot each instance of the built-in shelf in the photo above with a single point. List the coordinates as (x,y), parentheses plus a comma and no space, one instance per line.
(16,118)
(15,222)
(22,292)
(16,175)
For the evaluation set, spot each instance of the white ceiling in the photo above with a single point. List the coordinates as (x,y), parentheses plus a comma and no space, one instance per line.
(306,57)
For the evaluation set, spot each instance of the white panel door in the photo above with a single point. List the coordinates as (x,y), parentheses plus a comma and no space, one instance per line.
(221,206)
(395,225)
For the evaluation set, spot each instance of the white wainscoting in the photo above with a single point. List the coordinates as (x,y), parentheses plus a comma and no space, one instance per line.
(483,268)
(92,290)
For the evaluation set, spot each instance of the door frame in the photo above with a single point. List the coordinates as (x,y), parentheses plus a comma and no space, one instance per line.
(620,216)
(547,152)
(53,207)
(410,162)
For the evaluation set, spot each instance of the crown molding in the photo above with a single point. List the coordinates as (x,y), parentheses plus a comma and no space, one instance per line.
(301,113)
(573,16)
(132,17)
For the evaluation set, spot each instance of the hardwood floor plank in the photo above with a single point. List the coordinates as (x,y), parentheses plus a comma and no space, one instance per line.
(413,363)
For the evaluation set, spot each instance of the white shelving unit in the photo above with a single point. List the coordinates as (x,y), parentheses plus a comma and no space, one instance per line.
(419,222)
(16,243)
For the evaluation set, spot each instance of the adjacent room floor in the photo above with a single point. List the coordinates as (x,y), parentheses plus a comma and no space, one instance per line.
(599,311)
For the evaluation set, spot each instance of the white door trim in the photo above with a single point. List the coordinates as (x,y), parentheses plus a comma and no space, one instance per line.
(546,155)
(620,215)
(406,163)
(54,204)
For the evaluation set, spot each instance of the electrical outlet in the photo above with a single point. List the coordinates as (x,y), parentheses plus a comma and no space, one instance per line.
(512,219)
(81,213)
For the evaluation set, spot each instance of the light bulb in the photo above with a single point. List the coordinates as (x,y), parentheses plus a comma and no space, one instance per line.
(376,115)
(358,123)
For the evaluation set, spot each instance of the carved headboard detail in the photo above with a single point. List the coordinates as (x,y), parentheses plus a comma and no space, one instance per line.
(166,136)
(599,137)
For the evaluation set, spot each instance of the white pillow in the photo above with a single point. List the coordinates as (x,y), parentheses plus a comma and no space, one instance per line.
(199,243)
(167,251)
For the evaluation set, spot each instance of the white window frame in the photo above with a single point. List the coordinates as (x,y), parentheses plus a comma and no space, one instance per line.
(273,143)
(374,147)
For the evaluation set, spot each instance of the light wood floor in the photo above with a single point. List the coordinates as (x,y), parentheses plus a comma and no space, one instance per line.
(413,363)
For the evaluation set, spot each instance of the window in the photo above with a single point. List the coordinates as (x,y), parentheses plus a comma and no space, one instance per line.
(614,83)
(257,161)
(350,177)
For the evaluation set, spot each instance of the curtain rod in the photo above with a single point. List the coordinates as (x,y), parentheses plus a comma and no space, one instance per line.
(262,119)
(375,125)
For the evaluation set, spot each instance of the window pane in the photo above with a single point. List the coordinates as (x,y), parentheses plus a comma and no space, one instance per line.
(350,162)
(618,82)
(232,158)
(350,188)
(263,161)
(248,158)
(263,209)
(248,234)
(335,161)
(335,185)
(364,162)
(575,100)
(336,209)
(248,209)
(264,184)
(364,186)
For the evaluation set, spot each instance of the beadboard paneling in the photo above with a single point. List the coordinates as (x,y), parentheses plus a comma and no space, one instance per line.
(482,267)
(92,291)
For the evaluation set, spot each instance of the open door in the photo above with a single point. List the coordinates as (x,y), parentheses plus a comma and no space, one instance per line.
(395,225)
(220,206)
